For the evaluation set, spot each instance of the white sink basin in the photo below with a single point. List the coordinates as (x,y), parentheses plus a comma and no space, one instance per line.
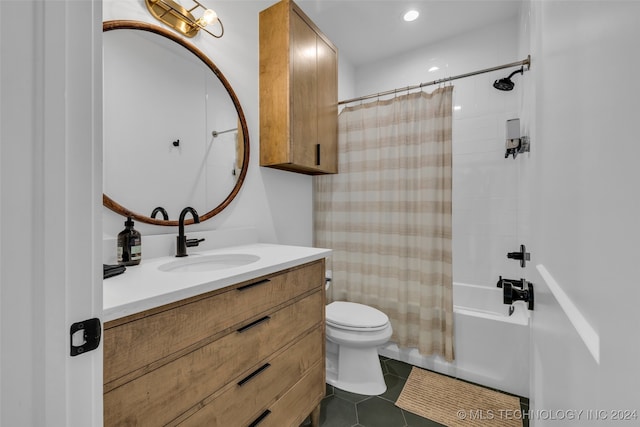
(196,263)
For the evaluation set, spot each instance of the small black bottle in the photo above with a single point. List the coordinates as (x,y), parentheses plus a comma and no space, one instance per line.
(129,245)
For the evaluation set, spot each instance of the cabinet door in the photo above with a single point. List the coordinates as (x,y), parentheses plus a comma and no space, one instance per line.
(304,108)
(298,92)
(165,393)
(327,62)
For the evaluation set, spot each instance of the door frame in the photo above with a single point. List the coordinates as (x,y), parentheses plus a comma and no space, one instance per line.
(50,210)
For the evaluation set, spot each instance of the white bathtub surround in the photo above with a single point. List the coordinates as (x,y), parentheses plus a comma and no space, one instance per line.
(492,348)
(387,215)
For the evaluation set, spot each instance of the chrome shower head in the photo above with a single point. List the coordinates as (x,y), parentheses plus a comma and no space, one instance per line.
(506,83)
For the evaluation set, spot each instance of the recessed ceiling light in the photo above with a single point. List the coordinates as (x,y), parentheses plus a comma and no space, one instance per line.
(432,69)
(411,15)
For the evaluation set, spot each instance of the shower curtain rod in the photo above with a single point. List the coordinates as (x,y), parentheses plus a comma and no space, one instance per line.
(526,62)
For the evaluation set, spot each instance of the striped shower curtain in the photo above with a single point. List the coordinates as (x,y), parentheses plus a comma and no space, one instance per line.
(387,216)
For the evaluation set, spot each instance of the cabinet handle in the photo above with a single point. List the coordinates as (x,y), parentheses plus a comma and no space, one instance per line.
(258,420)
(253,374)
(252,324)
(317,154)
(251,285)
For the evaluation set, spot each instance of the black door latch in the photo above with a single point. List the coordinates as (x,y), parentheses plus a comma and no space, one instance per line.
(92,331)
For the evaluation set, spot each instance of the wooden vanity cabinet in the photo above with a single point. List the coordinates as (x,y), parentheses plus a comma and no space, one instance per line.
(298,93)
(249,352)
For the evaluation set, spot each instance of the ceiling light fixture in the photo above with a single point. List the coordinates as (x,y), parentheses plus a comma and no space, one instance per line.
(432,69)
(411,15)
(182,20)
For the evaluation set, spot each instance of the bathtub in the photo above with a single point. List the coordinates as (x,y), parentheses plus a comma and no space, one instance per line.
(491,345)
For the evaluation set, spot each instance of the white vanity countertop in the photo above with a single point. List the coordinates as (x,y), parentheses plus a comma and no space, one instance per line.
(145,286)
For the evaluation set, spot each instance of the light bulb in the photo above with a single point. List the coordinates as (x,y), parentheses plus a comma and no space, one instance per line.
(209,16)
(411,15)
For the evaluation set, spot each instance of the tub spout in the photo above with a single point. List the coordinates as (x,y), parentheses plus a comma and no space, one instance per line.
(512,282)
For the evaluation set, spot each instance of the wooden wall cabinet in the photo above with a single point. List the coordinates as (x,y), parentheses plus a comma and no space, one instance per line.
(298,93)
(246,353)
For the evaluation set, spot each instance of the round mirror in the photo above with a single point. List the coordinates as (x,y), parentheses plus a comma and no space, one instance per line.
(174,132)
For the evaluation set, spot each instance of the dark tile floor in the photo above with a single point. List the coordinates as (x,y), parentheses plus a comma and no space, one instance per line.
(343,409)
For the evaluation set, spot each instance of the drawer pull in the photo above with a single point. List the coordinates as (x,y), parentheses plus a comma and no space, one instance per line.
(258,420)
(253,374)
(252,324)
(251,285)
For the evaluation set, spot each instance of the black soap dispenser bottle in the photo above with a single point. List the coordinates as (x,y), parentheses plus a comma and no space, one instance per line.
(129,245)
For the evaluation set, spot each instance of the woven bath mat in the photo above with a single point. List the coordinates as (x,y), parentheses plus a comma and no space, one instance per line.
(457,403)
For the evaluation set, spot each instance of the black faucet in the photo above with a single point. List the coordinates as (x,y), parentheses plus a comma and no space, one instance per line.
(182,242)
(160,210)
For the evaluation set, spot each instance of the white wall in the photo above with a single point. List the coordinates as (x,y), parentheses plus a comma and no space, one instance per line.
(277,203)
(583,208)
(485,188)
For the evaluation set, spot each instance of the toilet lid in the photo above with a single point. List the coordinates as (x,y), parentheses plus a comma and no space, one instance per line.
(353,315)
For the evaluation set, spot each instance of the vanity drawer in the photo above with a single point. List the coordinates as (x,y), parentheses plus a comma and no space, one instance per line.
(242,399)
(291,409)
(140,343)
(163,394)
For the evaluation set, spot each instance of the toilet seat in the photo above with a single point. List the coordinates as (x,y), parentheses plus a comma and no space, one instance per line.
(355,317)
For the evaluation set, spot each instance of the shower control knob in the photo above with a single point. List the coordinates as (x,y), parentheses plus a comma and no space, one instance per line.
(523,256)
(510,293)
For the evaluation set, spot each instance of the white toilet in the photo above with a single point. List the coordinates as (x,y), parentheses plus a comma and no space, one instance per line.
(354,331)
